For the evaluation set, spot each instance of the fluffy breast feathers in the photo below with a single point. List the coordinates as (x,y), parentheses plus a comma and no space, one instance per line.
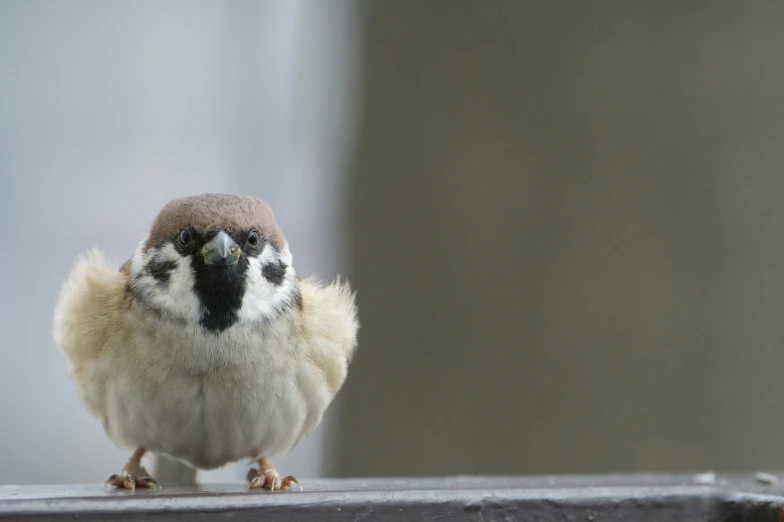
(96,316)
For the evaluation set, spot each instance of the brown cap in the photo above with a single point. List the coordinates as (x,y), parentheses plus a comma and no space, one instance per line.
(212,211)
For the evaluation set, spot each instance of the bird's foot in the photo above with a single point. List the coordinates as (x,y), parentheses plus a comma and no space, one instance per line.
(129,479)
(268,477)
(133,475)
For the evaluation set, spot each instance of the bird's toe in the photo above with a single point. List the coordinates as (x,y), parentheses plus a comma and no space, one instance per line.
(131,481)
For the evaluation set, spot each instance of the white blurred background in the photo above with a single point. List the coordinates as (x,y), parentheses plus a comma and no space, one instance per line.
(110,109)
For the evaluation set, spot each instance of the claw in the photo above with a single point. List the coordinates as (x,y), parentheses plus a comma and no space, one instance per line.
(133,475)
(147,482)
(293,480)
(267,477)
(129,482)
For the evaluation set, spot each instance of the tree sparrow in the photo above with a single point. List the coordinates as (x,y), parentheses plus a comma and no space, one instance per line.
(206,346)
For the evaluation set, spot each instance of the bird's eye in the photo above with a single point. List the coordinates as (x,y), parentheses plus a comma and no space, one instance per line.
(185,237)
(253,238)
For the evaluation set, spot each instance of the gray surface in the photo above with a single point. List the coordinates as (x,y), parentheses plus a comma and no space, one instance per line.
(633,497)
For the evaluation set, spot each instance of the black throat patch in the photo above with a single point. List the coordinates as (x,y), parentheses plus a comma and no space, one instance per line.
(220,290)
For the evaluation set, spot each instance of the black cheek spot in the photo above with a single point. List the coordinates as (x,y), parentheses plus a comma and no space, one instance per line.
(274,272)
(161,270)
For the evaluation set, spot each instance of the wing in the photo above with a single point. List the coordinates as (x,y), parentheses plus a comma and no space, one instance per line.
(90,306)
(330,327)
(327,341)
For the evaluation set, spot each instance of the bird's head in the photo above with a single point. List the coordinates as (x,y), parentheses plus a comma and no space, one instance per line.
(217,260)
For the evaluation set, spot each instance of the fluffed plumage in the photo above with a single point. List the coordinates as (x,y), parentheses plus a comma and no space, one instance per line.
(206,364)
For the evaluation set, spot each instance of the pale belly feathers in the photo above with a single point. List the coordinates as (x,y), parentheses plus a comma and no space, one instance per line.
(209,399)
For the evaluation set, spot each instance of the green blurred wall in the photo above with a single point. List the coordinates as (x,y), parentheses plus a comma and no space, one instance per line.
(568,242)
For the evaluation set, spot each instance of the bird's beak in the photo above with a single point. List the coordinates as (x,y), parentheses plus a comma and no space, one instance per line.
(221,250)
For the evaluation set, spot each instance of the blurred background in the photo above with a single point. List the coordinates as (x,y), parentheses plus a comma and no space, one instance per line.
(562,218)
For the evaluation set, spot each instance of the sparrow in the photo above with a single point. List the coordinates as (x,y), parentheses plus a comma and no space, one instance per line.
(206,346)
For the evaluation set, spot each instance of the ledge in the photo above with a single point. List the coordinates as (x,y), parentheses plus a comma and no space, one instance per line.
(621,497)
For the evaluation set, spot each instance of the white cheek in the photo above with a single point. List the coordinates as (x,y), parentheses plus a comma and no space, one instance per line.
(177,297)
(264,300)
(180,297)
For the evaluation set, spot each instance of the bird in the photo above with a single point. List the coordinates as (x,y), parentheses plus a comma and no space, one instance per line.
(206,345)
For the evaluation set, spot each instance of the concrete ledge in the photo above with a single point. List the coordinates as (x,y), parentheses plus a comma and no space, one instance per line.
(591,498)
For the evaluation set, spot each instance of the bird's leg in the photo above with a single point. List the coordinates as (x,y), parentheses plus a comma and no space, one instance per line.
(267,477)
(133,474)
